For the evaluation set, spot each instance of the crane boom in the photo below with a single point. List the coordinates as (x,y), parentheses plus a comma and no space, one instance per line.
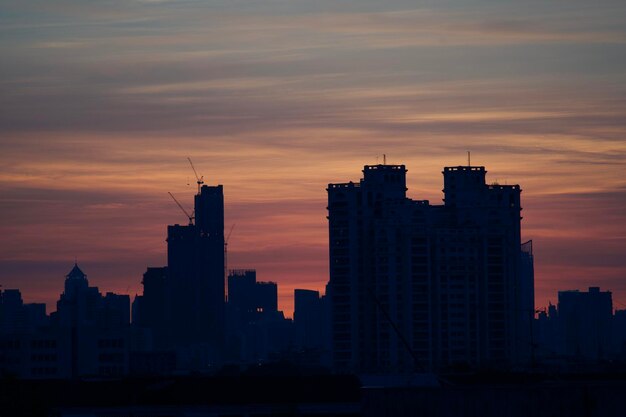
(190,217)
(199,180)
(226,249)
(229,233)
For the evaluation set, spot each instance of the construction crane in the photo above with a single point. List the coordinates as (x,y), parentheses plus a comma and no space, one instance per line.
(190,217)
(226,249)
(199,180)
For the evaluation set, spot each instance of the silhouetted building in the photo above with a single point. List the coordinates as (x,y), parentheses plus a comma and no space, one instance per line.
(257,330)
(87,336)
(249,299)
(182,308)
(585,320)
(312,328)
(309,318)
(93,331)
(526,294)
(419,286)
(13,316)
(581,329)
(149,311)
(619,334)
(547,335)
(195,276)
(27,347)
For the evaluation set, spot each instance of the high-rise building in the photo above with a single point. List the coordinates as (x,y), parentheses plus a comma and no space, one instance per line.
(257,330)
(92,330)
(585,320)
(415,286)
(195,277)
(309,318)
(580,329)
(249,298)
(149,309)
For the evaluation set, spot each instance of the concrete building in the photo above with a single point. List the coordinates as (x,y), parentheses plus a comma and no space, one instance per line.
(249,298)
(195,277)
(88,335)
(28,347)
(257,330)
(312,328)
(92,330)
(415,286)
(585,321)
(149,319)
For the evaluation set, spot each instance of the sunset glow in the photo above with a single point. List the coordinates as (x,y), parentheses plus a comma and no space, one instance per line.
(103,101)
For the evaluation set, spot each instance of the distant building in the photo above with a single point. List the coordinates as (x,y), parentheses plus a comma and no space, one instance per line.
(150,311)
(93,331)
(28,348)
(546,332)
(309,319)
(415,286)
(585,320)
(13,315)
(581,329)
(257,330)
(248,298)
(88,335)
(312,327)
(178,322)
(195,277)
(183,310)
(619,334)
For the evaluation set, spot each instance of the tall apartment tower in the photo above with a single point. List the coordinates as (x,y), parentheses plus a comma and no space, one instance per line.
(480,267)
(368,286)
(195,275)
(415,286)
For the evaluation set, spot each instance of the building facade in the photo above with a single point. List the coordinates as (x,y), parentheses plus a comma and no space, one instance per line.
(88,335)
(415,286)
(585,323)
(195,275)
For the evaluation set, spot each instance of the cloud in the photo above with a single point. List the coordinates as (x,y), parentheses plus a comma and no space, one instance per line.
(102,101)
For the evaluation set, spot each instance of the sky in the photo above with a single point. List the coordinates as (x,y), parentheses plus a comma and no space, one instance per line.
(101,102)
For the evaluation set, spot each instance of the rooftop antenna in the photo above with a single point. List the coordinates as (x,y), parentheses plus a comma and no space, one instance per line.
(190,217)
(468,159)
(199,180)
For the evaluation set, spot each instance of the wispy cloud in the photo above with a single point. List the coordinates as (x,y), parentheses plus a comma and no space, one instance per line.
(102,101)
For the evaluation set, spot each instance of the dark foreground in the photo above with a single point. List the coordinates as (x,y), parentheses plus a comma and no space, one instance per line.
(321,395)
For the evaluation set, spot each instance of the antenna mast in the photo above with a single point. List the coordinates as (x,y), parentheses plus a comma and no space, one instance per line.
(468,159)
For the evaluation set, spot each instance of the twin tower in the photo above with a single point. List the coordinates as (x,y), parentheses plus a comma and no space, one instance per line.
(415,286)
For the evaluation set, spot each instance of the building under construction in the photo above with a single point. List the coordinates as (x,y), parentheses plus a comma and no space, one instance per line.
(183,305)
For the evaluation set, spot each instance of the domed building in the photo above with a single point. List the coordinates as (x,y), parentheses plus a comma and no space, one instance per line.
(93,330)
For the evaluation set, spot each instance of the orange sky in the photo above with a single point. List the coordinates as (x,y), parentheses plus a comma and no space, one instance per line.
(101,103)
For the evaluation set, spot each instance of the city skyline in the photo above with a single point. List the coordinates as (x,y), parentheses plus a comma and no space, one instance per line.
(413,287)
(103,101)
(285,294)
